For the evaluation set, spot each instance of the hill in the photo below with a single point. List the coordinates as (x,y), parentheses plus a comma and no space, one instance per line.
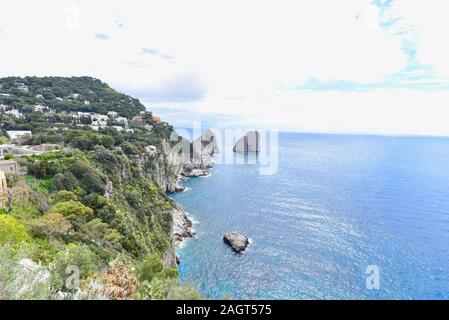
(66,94)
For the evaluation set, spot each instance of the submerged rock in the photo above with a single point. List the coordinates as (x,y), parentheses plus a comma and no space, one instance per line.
(237,241)
(250,142)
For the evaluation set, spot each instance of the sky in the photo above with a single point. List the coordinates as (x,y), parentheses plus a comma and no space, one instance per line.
(350,66)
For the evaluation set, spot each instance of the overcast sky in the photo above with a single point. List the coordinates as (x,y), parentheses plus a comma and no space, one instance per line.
(322,65)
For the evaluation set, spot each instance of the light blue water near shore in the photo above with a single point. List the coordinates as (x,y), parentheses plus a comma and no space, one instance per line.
(337,205)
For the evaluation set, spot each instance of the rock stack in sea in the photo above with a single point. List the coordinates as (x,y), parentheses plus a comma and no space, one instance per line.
(238,242)
(250,142)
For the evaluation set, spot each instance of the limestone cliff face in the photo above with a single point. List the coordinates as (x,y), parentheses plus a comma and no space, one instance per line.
(174,163)
(167,166)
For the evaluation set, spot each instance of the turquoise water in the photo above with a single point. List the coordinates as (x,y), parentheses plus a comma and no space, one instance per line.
(337,205)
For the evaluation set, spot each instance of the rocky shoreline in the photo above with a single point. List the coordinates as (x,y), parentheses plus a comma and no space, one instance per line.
(182,224)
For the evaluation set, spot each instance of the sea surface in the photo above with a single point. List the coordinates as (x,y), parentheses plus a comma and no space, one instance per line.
(338,207)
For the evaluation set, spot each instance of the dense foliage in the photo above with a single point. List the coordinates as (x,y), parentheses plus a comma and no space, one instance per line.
(66,94)
(91,203)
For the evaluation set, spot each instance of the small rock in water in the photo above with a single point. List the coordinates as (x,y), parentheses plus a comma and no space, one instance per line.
(237,241)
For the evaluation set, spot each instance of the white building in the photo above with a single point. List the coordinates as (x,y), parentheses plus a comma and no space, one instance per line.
(112,114)
(122,120)
(15,113)
(22,86)
(79,115)
(40,108)
(99,119)
(14,134)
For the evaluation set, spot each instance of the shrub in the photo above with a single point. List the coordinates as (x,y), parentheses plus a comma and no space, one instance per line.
(11,231)
(97,229)
(20,277)
(155,289)
(79,256)
(119,282)
(65,181)
(184,292)
(71,209)
(168,273)
(63,196)
(88,177)
(150,268)
(50,225)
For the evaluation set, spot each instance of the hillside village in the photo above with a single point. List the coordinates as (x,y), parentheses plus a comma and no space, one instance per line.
(84,172)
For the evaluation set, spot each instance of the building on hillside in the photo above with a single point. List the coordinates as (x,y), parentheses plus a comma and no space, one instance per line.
(41,108)
(9,166)
(14,134)
(14,113)
(156,119)
(138,118)
(17,150)
(21,86)
(112,114)
(122,120)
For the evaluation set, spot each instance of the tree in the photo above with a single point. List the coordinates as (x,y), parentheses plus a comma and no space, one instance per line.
(63,196)
(65,181)
(89,178)
(50,225)
(12,231)
(75,255)
(71,209)
(150,268)
(86,120)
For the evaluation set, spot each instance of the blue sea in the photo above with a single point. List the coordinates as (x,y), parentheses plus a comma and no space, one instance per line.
(337,205)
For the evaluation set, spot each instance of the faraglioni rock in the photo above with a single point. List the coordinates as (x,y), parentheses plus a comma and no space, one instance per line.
(237,241)
(250,142)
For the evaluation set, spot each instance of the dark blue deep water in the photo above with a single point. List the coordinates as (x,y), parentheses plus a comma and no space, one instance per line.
(337,205)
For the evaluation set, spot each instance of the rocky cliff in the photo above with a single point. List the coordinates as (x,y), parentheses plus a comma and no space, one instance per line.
(250,142)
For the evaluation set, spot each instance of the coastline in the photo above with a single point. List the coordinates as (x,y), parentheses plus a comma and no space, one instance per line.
(182,224)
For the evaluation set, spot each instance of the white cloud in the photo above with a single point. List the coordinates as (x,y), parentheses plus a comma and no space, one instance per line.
(396,112)
(210,50)
(429,20)
(250,46)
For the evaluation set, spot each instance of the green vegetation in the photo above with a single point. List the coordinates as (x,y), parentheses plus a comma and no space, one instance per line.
(11,231)
(92,203)
(66,94)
